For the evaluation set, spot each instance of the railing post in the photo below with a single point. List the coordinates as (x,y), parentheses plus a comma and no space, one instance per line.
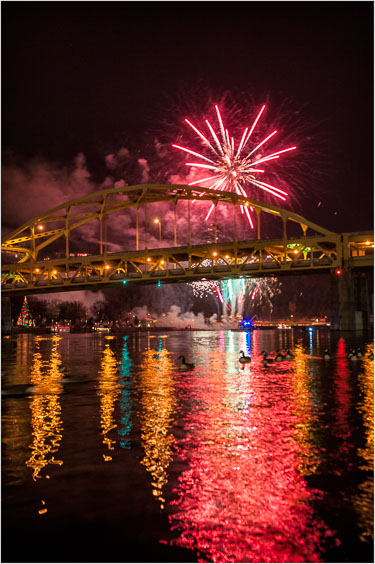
(33,240)
(101,234)
(146,226)
(101,218)
(215,224)
(258,212)
(189,226)
(175,225)
(136,229)
(284,237)
(67,232)
(235,223)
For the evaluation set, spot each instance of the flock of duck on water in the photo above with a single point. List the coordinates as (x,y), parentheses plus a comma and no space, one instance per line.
(281,355)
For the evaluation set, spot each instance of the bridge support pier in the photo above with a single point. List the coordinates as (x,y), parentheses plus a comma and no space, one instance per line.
(350,301)
(6,316)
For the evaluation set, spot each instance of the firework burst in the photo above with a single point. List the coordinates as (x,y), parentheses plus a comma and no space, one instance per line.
(233,166)
(233,294)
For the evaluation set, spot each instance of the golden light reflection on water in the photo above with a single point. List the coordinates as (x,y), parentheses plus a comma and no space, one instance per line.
(158,403)
(46,420)
(109,390)
(306,424)
(363,501)
(366,408)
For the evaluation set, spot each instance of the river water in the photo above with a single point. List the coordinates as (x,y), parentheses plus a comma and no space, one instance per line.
(135,460)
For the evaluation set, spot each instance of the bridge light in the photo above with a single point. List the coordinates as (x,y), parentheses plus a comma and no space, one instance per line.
(338,271)
(162,262)
(107,267)
(148,260)
(124,281)
(214,253)
(159,284)
(37,270)
(40,227)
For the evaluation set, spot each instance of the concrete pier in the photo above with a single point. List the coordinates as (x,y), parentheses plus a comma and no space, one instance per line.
(350,301)
(6,317)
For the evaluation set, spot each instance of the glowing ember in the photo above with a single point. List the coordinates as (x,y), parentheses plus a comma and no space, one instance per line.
(232,166)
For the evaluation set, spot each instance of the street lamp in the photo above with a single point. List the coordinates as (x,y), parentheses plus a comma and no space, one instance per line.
(157,220)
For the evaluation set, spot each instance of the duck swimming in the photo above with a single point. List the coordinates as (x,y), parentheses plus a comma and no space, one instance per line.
(265,359)
(72,379)
(185,365)
(244,358)
(279,356)
(327,355)
(18,390)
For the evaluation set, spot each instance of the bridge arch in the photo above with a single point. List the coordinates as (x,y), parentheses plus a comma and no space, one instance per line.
(41,260)
(31,238)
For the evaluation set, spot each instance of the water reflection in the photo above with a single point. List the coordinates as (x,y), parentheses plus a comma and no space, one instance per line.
(46,420)
(243,498)
(341,412)
(158,406)
(125,423)
(304,412)
(241,450)
(364,500)
(108,392)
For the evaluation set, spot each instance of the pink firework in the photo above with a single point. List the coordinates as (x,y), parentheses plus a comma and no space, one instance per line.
(233,166)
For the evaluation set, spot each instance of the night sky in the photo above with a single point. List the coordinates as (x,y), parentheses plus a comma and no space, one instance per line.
(81,81)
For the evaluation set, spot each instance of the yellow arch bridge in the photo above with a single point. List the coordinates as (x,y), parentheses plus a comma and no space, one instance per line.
(154,233)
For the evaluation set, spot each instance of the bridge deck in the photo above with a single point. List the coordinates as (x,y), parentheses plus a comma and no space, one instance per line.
(185,264)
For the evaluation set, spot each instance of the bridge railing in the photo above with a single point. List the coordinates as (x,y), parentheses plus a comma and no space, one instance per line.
(358,249)
(225,260)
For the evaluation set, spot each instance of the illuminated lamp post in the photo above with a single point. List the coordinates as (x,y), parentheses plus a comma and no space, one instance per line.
(156,220)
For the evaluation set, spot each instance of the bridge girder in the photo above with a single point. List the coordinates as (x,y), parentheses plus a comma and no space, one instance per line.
(322,249)
(104,203)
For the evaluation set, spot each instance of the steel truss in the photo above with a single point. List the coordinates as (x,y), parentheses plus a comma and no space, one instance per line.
(315,249)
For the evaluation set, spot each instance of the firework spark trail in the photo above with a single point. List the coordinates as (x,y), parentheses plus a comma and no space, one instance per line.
(230,168)
(233,293)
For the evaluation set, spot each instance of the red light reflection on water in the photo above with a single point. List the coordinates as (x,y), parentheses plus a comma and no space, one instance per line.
(342,426)
(243,499)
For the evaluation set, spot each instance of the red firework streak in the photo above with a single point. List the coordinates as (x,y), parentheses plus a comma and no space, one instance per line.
(219,295)
(232,166)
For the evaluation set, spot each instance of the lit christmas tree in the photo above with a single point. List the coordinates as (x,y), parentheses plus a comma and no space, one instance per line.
(25,318)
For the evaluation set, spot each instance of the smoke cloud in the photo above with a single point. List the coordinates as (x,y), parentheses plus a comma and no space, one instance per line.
(174,318)
(38,186)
